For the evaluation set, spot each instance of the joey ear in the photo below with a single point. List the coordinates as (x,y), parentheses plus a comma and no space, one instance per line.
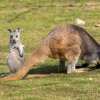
(18,29)
(9,30)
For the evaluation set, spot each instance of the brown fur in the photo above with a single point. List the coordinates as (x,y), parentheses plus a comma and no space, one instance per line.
(64,42)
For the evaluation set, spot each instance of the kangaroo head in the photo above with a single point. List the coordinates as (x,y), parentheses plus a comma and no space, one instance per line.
(14,35)
(91,58)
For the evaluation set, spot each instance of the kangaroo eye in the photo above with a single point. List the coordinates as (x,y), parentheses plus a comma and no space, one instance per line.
(16,35)
(11,36)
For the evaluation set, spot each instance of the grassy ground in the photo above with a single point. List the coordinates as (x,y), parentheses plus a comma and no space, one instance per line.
(36,19)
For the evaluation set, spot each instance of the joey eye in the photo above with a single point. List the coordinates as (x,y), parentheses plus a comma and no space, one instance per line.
(16,35)
(11,36)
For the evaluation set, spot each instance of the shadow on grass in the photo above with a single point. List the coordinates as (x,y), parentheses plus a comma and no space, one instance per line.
(44,70)
(54,69)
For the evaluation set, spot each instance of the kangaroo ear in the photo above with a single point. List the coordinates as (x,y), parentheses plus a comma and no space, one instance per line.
(18,29)
(9,30)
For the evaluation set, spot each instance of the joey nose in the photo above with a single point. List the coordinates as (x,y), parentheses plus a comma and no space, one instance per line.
(21,55)
(14,41)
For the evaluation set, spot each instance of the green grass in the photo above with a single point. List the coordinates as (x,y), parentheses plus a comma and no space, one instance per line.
(37,22)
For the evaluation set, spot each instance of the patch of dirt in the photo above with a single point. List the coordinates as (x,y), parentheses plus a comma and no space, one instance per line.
(93,5)
(36,75)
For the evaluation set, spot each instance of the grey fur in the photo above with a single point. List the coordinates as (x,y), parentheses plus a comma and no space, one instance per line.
(90,49)
(16,54)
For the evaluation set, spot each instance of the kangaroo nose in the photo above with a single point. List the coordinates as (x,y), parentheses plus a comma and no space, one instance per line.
(14,41)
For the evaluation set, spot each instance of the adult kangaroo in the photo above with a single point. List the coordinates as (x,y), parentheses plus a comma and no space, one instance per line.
(65,42)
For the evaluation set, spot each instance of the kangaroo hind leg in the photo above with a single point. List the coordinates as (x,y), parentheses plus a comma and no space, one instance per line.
(72,57)
(61,67)
(71,65)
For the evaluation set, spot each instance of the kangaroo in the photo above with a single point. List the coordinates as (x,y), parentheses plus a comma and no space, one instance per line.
(66,43)
(16,52)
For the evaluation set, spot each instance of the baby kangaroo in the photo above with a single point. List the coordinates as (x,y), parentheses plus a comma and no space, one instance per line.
(16,52)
